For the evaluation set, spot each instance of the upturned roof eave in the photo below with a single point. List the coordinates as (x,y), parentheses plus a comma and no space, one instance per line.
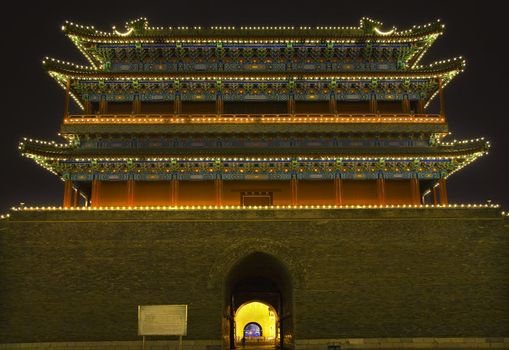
(434,70)
(85,36)
(321,34)
(472,148)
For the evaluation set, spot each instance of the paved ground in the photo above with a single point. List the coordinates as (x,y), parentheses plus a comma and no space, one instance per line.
(257,347)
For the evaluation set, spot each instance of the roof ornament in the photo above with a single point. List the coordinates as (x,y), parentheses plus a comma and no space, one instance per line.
(389,32)
(137,26)
(370,26)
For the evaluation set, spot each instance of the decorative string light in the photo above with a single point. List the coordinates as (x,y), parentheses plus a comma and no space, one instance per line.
(369,32)
(265,207)
(250,118)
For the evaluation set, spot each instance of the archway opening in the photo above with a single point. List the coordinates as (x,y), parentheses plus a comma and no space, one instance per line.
(252,330)
(258,285)
(256,322)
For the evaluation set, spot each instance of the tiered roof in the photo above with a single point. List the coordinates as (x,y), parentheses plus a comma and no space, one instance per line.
(246,64)
(93,42)
(284,58)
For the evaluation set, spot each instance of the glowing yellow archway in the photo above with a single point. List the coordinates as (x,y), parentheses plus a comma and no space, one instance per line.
(256,312)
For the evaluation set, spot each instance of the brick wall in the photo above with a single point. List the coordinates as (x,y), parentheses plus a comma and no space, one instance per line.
(366,273)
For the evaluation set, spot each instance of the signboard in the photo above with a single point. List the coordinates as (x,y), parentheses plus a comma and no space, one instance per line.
(162,320)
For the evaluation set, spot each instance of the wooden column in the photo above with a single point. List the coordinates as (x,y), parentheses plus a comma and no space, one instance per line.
(136,105)
(443,191)
(434,196)
(219,104)
(177,106)
(332,104)
(67,97)
(67,193)
(103,106)
(338,189)
(76,198)
(373,105)
(380,191)
(295,194)
(405,104)
(88,107)
(218,184)
(174,192)
(420,106)
(96,191)
(441,97)
(130,192)
(291,104)
(416,195)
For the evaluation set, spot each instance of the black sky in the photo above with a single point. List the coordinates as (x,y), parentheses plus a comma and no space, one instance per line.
(477,101)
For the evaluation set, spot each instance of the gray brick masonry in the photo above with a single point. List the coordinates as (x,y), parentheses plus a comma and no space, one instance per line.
(78,276)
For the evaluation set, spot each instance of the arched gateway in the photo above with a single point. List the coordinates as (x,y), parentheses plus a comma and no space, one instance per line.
(263,278)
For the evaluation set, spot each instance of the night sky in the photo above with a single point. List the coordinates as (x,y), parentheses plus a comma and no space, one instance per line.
(477,101)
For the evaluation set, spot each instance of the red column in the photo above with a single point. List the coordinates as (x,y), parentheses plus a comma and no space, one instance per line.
(76,198)
(338,189)
(137,106)
(177,105)
(293,182)
(96,189)
(381,191)
(373,105)
(218,184)
(103,106)
(443,192)
(67,193)
(434,195)
(406,104)
(130,192)
(219,104)
(416,195)
(332,104)
(420,107)
(88,107)
(174,192)
(291,104)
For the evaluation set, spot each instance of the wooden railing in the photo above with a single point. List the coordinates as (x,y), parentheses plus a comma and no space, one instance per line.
(251,118)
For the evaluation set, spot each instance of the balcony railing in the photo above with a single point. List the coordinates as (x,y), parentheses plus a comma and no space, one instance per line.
(251,118)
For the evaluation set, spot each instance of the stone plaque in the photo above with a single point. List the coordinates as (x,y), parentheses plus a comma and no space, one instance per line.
(162,320)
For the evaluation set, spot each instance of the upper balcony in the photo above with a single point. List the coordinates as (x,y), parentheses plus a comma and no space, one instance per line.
(253,123)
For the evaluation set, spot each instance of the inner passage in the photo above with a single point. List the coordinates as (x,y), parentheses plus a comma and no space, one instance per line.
(255,322)
(252,330)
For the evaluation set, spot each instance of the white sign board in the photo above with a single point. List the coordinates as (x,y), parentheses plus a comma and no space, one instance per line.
(162,320)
